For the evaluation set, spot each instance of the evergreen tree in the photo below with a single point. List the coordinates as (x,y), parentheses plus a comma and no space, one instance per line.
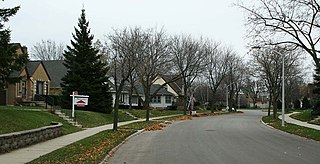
(306,103)
(86,73)
(316,91)
(10,61)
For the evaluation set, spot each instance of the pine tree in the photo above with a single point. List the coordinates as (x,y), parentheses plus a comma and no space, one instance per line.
(86,73)
(10,61)
(316,92)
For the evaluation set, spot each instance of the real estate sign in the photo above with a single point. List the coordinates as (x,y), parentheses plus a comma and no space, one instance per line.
(79,101)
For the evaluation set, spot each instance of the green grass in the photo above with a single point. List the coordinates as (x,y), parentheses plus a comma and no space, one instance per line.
(92,149)
(89,150)
(154,113)
(139,125)
(15,119)
(92,119)
(292,128)
(304,116)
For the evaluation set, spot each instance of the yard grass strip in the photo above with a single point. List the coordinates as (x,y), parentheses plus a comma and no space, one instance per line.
(92,149)
(89,119)
(292,128)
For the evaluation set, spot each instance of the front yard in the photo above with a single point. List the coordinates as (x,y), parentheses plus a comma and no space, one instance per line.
(15,119)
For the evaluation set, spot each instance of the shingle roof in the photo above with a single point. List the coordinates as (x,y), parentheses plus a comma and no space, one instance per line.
(32,66)
(56,71)
(154,87)
(175,85)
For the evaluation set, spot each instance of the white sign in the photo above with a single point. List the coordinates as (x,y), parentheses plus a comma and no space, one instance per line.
(80,101)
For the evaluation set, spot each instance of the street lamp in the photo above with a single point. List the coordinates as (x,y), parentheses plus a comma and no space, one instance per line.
(283,96)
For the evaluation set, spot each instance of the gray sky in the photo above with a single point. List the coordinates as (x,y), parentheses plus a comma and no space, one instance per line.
(55,19)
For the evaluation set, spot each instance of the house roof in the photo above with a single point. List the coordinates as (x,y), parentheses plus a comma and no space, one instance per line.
(176,85)
(56,71)
(32,66)
(154,87)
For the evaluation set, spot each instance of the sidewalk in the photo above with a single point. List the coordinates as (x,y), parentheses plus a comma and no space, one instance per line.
(32,152)
(297,122)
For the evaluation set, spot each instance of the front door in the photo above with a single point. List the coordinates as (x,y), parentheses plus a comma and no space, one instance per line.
(39,89)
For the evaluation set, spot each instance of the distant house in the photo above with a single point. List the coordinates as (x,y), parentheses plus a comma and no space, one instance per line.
(35,80)
(174,86)
(167,95)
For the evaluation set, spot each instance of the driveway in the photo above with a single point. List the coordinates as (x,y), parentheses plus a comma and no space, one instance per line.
(236,138)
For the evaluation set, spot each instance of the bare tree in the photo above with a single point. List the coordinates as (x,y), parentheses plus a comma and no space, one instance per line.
(189,58)
(268,66)
(293,22)
(152,58)
(47,50)
(124,45)
(234,79)
(216,69)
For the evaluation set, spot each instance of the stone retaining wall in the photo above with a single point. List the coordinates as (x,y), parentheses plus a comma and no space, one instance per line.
(21,139)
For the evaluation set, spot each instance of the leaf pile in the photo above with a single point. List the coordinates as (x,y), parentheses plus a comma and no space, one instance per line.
(155,127)
(184,118)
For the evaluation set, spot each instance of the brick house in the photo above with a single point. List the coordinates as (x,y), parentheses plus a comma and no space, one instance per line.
(35,81)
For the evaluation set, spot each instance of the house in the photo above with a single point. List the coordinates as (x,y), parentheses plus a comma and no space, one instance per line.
(166,96)
(35,81)
(174,86)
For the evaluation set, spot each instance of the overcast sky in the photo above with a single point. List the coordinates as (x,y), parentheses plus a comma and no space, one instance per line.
(55,19)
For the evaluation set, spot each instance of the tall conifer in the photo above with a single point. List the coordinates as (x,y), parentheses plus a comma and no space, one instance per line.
(9,60)
(86,73)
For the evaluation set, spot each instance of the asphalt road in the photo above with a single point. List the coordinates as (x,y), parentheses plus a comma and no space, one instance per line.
(237,138)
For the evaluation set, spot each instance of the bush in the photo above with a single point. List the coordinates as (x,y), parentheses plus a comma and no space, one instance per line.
(173,107)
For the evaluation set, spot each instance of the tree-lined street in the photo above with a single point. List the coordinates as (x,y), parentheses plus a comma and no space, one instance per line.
(236,138)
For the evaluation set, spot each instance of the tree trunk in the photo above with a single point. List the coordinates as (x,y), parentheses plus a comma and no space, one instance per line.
(269,106)
(146,104)
(115,112)
(274,107)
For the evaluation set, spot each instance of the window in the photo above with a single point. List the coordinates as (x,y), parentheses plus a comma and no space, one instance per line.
(134,100)
(156,100)
(168,99)
(24,89)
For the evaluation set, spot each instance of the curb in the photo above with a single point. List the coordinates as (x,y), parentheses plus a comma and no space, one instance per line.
(267,124)
(113,150)
(287,132)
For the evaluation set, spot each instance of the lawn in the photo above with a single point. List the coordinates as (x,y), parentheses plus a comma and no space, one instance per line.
(92,119)
(92,149)
(304,115)
(292,128)
(15,119)
(154,113)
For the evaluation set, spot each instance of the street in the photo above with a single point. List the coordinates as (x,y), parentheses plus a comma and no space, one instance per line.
(235,138)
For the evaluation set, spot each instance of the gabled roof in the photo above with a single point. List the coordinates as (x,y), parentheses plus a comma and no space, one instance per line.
(153,89)
(32,66)
(56,71)
(176,85)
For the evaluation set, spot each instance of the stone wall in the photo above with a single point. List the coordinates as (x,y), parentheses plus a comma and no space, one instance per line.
(21,139)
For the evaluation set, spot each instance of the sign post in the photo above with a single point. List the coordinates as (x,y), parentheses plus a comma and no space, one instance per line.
(79,100)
